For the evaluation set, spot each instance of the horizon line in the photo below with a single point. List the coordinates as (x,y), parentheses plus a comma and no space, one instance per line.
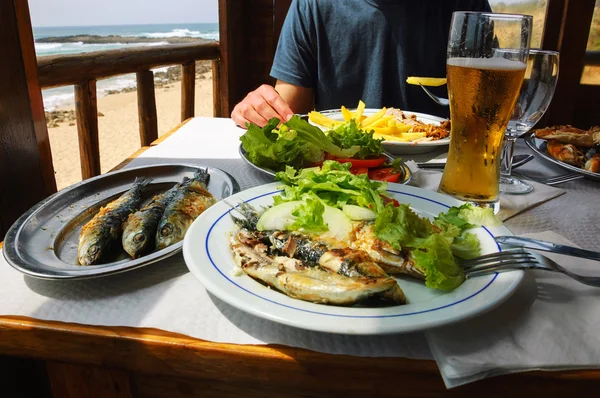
(128,24)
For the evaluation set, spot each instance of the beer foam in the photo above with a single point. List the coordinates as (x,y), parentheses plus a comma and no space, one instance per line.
(487,63)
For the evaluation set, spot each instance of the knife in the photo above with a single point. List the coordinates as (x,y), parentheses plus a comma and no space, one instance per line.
(535,244)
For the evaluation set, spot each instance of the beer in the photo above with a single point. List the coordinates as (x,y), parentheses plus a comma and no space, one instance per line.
(482,93)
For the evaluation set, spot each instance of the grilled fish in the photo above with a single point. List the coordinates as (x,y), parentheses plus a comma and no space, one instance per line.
(102,233)
(306,283)
(346,261)
(391,260)
(186,205)
(139,235)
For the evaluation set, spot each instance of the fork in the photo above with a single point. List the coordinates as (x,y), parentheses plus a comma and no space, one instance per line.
(435,98)
(510,260)
(560,179)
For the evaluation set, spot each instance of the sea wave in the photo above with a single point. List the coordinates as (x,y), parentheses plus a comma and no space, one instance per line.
(214,35)
(79,47)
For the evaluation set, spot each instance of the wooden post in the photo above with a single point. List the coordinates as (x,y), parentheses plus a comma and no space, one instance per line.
(147,107)
(571,42)
(245,32)
(26,172)
(217,94)
(74,380)
(188,90)
(86,107)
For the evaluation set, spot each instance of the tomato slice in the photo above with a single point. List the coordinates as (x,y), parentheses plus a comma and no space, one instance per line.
(387,200)
(368,163)
(359,170)
(384,174)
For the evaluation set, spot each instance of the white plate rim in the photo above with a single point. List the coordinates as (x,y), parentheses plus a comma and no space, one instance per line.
(491,294)
(421,116)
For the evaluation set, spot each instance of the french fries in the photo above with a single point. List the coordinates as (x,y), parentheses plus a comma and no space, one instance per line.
(383,125)
(426,81)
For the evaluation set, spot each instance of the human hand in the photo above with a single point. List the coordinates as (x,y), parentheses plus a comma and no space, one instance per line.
(261,105)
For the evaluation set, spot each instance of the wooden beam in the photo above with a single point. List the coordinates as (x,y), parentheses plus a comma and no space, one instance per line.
(76,381)
(62,70)
(188,90)
(276,370)
(552,24)
(217,94)
(148,120)
(572,42)
(246,33)
(24,146)
(86,107)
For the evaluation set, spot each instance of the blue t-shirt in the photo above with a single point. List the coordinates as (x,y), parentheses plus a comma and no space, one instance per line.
(348,50)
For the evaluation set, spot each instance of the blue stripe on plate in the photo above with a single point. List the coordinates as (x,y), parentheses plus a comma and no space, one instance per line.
(338,315)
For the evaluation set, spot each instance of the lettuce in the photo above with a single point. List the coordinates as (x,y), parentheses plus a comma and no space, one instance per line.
(296,143)
(349,135)
(333,184)
(435,259)
(309,216)
(315,136)
(401,227)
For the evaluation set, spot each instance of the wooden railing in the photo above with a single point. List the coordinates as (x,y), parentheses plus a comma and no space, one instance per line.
(83,70)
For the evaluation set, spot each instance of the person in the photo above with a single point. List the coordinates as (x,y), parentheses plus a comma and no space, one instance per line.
(337,52)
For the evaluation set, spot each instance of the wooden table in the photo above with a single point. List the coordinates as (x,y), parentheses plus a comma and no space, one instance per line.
(72,360)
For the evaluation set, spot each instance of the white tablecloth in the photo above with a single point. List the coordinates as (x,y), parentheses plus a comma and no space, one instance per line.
(166,296)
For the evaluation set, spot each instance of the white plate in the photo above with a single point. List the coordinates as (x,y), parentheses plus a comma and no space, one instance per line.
(398,148)
(207,255)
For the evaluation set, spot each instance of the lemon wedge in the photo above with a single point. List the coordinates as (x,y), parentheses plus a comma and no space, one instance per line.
(426,81)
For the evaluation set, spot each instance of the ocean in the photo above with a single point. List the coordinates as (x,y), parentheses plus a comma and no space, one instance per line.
(63,96)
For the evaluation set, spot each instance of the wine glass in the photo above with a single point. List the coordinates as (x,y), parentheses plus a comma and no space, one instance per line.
(534,98)
(485,65)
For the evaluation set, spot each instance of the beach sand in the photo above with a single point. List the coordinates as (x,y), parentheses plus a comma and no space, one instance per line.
(119,129)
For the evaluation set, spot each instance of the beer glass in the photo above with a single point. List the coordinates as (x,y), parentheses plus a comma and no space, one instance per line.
(485,65)
(536,94)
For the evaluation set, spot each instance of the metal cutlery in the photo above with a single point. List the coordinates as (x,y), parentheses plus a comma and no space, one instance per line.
(560,179)
(511,260)
(435,98)
(518,160)
(542,245)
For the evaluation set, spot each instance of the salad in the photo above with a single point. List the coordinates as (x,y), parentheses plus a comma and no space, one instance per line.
(299,144)
(334,237)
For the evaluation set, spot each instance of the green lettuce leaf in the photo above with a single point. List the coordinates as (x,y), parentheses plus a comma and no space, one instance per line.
(348,135)
(466,246)
(265,147)
(435,259)
(333,184)
(309,216)
(401,227)
(315,136)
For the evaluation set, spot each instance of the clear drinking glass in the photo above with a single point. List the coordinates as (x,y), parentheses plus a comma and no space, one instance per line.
(535,97)
(485,65)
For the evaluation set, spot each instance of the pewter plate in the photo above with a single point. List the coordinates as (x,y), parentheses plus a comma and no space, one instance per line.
(42,243)
(406,175)
(539,147)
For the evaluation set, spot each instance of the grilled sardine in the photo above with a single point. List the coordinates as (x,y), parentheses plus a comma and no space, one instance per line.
(305,283)
(139,235)
(101,234)
(186,205)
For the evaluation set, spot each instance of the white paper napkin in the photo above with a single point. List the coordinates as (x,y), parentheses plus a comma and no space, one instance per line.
(550,323)
(510,205)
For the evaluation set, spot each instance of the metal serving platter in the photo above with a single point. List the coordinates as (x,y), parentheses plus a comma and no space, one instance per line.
(539,147)
(42,243)
(405,178)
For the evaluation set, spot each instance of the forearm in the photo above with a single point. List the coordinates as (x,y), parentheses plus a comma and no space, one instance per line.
(300,99)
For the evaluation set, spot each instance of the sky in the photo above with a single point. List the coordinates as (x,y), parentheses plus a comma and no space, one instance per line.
(121,12)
